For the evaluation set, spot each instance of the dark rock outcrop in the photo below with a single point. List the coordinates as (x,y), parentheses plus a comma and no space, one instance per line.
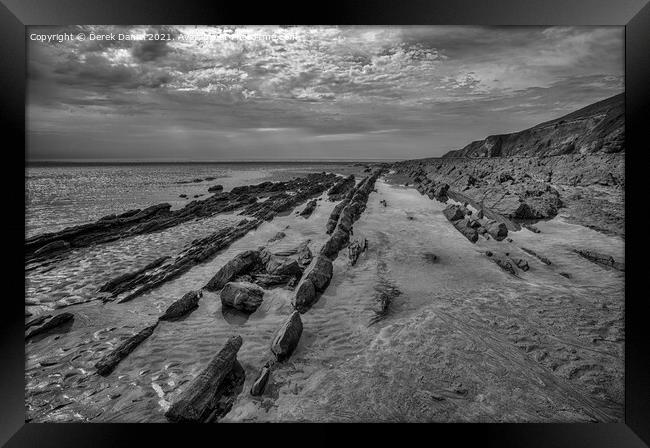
(497,230)
(287,337)
(260,383)
(601,259)
(241,263)
(281,197)
(44,324)
(341,188)
(355,249)
(211,393)
(108,363)
(243,296)
(309,208)
(182,306)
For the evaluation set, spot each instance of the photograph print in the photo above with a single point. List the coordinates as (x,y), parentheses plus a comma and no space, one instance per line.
(324,224)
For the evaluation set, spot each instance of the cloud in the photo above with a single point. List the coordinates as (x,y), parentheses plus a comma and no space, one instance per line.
(432,87)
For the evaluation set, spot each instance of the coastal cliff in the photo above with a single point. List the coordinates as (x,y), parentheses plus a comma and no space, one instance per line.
(597,128)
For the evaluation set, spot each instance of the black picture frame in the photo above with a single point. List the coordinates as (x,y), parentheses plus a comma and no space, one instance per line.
(15,15)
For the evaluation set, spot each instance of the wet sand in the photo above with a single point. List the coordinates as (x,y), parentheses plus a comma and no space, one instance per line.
(463,341)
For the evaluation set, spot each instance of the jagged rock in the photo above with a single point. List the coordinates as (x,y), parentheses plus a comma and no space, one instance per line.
(464,226)
(319,272)
(236,266)
(521,264)
(108,363)
(203,396)
(243,296)
(259,385)
(601,259)
(384,203)
(283,197)
(305,294)
(355,249)
(453,213)
(334,244)
(309,208)
(497,230)
(182,306)
(504,263)
(287,337)
(440,192)
(43,324)
(54,246)
(341,187)
(118,283)
(283,266)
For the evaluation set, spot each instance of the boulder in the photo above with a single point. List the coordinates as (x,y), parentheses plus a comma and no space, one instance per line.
(283,266)
(304,295)
(521,264)
(440,192)
(182,306)
(505,263)
(453,213)
(497,230)
(215,188)
(309,208)
(335,243)
(243,296)
(319,272)
(236,266)
(287,338)
(202,396)
(355,249)
(259,385)
(464,226)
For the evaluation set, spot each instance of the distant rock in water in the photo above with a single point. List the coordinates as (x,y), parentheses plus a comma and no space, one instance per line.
(597,128)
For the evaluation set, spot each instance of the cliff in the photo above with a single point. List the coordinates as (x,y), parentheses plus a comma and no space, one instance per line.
(597,128)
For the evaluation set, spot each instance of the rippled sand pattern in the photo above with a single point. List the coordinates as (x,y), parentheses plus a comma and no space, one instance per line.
(464,341)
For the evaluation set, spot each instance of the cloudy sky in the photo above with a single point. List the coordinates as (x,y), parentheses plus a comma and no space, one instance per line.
(300,93)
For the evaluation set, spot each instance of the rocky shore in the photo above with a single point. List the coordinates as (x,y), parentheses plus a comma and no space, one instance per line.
(259,201)
(514,190)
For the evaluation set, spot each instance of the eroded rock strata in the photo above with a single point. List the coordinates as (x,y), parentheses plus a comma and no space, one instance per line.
(279,197)
(211,393)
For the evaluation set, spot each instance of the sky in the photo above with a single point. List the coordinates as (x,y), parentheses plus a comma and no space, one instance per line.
(304,93)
